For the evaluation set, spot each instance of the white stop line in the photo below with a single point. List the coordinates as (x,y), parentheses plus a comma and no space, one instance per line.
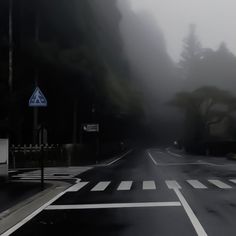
(113,205)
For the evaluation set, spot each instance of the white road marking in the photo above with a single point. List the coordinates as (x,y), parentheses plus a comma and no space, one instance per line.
(149,185)
(171,184)
(173,154)
(194,220)
(77,187)
(189,163)
(219,183)
(112,162)
(151,157)
(159,152)
(210,164)
(30,175)
(180,164)
(101,186)
(196,184)
(32,215)
(125,185)
(47,178)
(233,180)
(113,205)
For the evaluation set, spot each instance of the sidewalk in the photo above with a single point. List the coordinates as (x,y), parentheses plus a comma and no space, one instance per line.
(14,192)
(22,195)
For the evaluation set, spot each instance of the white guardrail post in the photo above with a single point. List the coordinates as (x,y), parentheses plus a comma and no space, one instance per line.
(4,159)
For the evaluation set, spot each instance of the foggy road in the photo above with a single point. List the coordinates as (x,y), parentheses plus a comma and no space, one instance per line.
(147,192)
(84,81)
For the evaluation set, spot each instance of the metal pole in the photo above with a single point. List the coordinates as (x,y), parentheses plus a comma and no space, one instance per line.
(10,35)
(35,126)
(42,167)
(35,122)
(36,111)
(75,110)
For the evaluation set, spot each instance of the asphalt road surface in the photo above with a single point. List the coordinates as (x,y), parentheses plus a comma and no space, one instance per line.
(146,192)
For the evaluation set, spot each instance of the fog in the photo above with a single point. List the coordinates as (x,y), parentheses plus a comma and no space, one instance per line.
(215,20)
(141,66)
(181,55)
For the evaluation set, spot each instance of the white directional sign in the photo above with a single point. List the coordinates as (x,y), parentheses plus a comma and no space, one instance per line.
(91,127)
(38,99)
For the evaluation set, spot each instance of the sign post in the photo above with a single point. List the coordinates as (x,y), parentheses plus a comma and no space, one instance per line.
(93,128)
(39,100)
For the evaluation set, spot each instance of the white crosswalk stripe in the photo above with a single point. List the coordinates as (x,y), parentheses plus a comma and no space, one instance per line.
(196,184)
(172,184)
(233,180)
(219,184)
(149,185)
(101,186)
(125,185)
(77,187)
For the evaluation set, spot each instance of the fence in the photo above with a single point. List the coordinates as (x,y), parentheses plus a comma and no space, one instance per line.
(22,156)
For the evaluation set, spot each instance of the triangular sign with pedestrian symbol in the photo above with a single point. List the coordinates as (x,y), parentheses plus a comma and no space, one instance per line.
(38,99)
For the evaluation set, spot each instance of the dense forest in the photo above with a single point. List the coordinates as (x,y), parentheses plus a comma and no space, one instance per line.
(100,62)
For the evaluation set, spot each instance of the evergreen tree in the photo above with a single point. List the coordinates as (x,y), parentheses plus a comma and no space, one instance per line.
(191,55)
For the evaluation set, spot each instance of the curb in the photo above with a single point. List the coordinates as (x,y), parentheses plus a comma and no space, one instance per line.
(17,213)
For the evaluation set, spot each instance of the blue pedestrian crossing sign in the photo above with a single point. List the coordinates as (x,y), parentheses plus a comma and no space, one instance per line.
(38,99)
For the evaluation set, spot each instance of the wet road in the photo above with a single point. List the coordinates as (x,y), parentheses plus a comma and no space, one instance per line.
(147,192)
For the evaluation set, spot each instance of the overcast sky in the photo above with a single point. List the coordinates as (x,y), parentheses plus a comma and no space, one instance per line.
(215,20)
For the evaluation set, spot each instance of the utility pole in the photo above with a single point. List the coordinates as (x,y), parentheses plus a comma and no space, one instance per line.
(35,122)
(10,64)
(75,111)
(10,36)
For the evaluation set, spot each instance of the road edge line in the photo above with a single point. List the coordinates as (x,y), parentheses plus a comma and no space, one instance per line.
(119,158)
(173,154)
(151,157)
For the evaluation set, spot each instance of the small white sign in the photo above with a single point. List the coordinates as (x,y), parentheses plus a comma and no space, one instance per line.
(91,128)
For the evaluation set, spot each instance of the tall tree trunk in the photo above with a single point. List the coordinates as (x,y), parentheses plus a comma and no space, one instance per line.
(75,112)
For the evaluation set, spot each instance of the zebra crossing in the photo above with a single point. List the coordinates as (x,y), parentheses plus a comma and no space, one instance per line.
(154,185)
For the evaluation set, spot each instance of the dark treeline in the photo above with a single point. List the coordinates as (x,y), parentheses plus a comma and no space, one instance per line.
(100,62)
(208,99)
(73,52)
